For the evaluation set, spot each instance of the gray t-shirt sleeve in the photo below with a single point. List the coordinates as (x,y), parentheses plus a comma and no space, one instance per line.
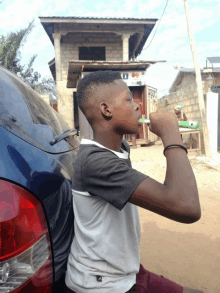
(110,178)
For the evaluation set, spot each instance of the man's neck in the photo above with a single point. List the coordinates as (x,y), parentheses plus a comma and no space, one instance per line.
(110,141)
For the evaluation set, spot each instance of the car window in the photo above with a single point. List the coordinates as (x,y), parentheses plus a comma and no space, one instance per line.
(36,121)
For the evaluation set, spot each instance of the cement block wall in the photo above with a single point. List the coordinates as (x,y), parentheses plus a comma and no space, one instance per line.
(187,80)
(65,102)
(189,99)
(72,41)
(212,120)
(125,28)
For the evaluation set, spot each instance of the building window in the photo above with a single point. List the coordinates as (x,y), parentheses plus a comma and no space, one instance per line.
(92,53)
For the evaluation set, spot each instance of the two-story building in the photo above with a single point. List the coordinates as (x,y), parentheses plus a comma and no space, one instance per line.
(83,45)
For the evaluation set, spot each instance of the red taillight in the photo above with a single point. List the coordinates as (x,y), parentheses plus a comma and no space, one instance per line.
(25,252)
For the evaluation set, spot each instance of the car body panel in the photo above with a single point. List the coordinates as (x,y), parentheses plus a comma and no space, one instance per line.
(42,175)
(26,115)
(28,160)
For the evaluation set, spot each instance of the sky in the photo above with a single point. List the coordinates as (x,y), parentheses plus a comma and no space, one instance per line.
(170,43)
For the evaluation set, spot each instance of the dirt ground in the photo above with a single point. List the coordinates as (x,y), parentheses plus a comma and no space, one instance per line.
(188,254)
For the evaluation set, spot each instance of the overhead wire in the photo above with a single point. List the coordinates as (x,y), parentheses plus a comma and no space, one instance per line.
(158,24)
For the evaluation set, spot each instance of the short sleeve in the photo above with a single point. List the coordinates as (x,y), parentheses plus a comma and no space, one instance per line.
(109,177)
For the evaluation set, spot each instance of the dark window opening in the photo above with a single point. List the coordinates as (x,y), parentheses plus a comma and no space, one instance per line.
(92,53)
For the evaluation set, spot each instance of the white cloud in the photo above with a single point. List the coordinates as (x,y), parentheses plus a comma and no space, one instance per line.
(17,16)
(130,5)
(152,5)
(211,1)
(203,17)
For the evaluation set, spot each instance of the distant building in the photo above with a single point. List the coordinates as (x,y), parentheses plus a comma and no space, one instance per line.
(187,77)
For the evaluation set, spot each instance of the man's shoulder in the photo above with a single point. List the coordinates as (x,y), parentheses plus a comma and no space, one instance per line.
(92,153)
(92,150)
(87,155)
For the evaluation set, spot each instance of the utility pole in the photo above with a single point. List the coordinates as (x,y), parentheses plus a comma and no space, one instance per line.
(199,83)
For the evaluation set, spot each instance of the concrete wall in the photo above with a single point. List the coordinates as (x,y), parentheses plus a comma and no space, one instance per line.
(65,28)
(212,120)
(188,98)
(217,79)
(65,102)
(188,79)
(72,41)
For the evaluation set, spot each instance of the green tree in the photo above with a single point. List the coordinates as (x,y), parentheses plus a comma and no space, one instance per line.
(44,86)
(10,55)
(10,58)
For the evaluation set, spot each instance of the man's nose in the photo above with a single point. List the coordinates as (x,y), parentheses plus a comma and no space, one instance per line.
(136,107)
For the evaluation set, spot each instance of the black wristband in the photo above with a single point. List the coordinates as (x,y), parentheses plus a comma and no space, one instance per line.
(179,145)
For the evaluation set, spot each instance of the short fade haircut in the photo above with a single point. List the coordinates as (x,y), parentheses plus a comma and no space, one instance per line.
(93,81)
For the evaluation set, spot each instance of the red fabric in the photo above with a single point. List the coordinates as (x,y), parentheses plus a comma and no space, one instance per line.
(148,282)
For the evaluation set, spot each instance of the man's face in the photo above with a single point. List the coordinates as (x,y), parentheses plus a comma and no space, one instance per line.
(126,113)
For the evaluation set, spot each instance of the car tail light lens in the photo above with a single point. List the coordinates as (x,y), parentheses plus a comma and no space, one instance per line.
(25,251)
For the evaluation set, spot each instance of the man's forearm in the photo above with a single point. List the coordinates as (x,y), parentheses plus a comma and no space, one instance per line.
(179,175)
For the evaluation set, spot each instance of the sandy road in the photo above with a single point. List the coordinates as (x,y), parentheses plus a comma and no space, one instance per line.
(188,254)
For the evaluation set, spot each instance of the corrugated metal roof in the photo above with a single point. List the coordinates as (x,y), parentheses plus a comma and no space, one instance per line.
(98,65)
(184,70)
(214,59)
(110,18)
(51,62)
(83,62)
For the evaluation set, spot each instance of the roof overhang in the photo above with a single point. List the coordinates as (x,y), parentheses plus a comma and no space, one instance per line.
(213,60)
(137,39)
(77,67)
(52,66)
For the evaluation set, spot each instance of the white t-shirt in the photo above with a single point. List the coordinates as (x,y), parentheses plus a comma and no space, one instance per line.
(104,256)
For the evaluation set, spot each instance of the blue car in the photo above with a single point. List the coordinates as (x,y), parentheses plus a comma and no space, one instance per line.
(37,153)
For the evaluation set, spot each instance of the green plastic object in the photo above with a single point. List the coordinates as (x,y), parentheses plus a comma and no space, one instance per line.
(182,124)
(145,121)
(189,124)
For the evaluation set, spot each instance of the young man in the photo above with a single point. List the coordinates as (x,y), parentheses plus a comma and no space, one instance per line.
(104,255)
(181,116)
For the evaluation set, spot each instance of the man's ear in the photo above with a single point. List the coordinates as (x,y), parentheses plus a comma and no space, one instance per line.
(105,110)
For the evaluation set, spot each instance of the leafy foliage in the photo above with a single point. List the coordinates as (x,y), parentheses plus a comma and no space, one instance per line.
(10,58)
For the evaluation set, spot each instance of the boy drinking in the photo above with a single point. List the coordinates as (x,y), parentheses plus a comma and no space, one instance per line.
(104,255)
(181,116)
